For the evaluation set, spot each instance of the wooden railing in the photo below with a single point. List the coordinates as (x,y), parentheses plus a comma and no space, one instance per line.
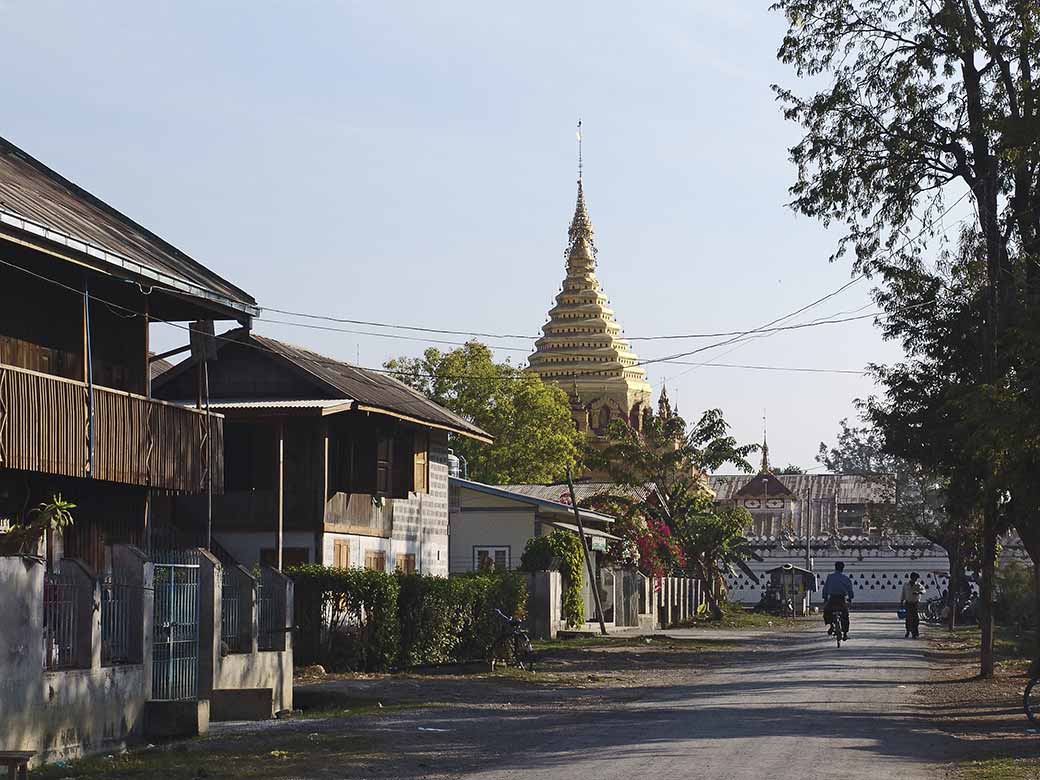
(137,441)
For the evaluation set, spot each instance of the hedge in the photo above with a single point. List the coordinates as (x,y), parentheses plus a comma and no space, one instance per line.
(358,620)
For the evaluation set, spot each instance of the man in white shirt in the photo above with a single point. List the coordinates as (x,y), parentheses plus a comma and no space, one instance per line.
(911,599)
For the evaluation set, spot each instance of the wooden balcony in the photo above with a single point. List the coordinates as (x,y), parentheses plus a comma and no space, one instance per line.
(137,441)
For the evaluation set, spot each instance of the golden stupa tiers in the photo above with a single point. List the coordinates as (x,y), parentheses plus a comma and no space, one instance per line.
(582,348)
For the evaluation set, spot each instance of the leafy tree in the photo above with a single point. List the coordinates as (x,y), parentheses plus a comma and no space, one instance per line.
(665,454)
(926,503)
(922,95)
(791,468)
(710,537)
(686,530)
(535,436)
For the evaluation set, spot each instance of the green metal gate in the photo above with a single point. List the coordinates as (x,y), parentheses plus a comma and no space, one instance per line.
(175,632)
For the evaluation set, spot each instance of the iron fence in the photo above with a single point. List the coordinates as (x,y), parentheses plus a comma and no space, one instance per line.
(115,620)
(61,600)
(175,647)
(236,613)
(268,630)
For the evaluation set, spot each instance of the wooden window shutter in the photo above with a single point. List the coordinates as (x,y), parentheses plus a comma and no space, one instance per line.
(384,464)
(341,555)
(421,462)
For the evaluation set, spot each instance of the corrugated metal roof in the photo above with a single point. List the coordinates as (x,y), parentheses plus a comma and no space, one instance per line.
(32,192)
(320,403)
(575,529)
(542,503)
(582,491)
(158,367)
(763,485)
(847,488)
(366,388)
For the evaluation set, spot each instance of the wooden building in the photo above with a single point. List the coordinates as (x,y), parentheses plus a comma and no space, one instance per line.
(324,461)
(79,284)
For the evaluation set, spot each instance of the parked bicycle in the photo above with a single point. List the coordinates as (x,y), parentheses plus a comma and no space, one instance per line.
(1031,698)
(513,644)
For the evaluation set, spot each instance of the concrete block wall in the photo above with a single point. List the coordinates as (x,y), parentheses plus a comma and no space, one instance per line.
(421,520)
(67,713)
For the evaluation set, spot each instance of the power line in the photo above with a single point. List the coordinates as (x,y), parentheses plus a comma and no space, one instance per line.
(332,362)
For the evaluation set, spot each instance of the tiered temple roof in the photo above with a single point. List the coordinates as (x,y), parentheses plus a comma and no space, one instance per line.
(582,348)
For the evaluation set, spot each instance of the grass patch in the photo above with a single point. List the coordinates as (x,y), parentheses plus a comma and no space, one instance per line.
(1002,769)
(326,703)
(273,756)
(735,616)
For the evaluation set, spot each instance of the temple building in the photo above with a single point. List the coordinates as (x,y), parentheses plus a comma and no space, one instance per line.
(582,349)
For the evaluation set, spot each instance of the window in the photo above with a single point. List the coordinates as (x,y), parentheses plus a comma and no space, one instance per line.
(421,462)
(341,554)
(375,560)
(405,563)
(486,558)
(291,556)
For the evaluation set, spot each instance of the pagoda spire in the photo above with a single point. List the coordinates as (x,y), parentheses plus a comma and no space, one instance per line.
(765,447)
(581,248)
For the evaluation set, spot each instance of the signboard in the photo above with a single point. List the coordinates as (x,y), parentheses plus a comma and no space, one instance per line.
(598,543)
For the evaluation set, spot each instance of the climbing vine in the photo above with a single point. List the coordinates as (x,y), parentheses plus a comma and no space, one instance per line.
(539,554)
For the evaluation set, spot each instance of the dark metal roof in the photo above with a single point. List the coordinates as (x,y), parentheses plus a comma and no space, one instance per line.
(371,390)
(157,367)
(844,488)
(36,200)
(365,390)
(764,484)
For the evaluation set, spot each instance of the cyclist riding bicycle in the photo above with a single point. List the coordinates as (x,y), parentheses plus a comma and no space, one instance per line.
(837,595)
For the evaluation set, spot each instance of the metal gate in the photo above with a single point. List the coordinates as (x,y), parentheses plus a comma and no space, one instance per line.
(175,632)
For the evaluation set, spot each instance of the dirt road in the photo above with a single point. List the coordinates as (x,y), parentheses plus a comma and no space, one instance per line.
(785,706)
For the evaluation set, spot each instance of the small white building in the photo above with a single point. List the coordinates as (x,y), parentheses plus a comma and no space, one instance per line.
(490,526)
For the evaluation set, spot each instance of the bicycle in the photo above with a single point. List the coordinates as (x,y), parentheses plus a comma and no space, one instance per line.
(1031,700)
(516,642)
(836,624)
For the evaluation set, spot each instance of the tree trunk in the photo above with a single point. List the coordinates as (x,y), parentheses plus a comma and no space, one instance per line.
(989,570)
(953,588)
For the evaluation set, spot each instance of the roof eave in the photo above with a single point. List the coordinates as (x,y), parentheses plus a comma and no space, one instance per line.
(169,282)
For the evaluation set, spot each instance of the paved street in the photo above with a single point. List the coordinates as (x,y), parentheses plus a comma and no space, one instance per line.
(793,706)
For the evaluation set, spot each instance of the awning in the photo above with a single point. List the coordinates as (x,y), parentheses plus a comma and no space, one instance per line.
(319,406)
(574,528)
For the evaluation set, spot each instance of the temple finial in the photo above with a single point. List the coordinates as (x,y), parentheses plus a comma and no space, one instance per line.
(765,446)
(664,406)
(581,249)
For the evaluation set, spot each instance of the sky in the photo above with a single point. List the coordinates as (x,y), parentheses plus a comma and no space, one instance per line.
(415,163)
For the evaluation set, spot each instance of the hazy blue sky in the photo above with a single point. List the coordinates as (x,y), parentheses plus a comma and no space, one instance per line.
(415,163)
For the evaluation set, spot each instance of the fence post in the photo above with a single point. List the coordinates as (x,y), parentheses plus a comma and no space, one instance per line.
(86,644)
(210,612)
(130,563)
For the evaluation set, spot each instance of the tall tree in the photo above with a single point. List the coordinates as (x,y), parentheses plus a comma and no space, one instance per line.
(535,436)
(927,503)
(922,95)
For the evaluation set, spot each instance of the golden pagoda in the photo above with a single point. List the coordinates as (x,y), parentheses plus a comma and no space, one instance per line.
(582,349)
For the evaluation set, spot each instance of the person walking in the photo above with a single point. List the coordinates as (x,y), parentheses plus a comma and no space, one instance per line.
(911,599)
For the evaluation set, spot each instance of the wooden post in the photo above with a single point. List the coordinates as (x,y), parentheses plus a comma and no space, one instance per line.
(585,551)
(281,493)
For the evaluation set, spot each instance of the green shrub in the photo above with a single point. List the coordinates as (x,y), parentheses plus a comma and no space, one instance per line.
(1014,604)
(345,618)
(539,554)
(357,620)
(428,619)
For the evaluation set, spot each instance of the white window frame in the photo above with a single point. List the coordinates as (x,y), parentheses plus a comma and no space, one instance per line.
(492,550)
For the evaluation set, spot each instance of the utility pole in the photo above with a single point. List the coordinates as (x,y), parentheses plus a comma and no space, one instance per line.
(585,552)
